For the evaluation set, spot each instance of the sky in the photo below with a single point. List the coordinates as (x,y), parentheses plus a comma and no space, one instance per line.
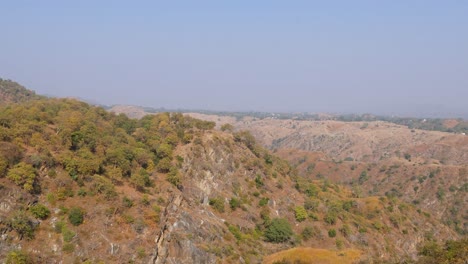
(345,56)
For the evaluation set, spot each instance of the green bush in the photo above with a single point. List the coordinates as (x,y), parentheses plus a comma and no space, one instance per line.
(173,176)
(76,216)
(67,234)
(217,203)
(234,203)
(308,232)
(263,201)
(300,213)
(345,230)
(311,204)
(24,175)
(330,218)
(279,230)
(332,233)
(127,202)
(39,211)
(22,225)
(16,257)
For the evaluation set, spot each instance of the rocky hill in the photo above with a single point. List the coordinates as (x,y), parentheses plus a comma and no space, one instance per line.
(80,184)
(425,168)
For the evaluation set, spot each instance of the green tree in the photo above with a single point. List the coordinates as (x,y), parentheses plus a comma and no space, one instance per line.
(279,230)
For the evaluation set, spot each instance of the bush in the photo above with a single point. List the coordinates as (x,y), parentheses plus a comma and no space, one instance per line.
(330,218)
(17,257)
(217,203)
(332,233)
(234,203)
(279,230)
(76,215)
(345,230)
(300,213)
(227,127)
(23,175)
(39,211)
(311,204)
(263,201)
(22,225)
(308,232)
(173,176)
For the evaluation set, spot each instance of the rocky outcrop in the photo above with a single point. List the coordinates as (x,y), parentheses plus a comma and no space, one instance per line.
(176,240)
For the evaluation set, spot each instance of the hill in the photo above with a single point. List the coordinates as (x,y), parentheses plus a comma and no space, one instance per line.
(425,168)
(80,184)
(12,92)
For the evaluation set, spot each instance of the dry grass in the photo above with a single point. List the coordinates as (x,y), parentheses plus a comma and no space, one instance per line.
(315,256)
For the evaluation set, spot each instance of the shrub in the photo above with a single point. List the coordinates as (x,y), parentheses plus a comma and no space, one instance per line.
(363,177)
(227,127)
(23,175)
(339,244)
(173,176)
(279,230)
(217,203)
(22,225)
(311,204)
(308,232)
(330,218)
(300,213)
(259,181)
(127,202)
(40,211)
(263,201)
(76,215)
(345,230)
(67,234)
(235,232)
(17,257)
(141,179)
(82,192)
(312,190)
(234,203)
(332,233)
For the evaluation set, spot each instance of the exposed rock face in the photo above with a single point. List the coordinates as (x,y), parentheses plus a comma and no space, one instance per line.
(179,233)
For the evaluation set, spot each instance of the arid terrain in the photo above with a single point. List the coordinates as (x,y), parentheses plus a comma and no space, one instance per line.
(80,184)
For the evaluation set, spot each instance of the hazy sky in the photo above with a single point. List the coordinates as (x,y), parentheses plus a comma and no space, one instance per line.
(332,56)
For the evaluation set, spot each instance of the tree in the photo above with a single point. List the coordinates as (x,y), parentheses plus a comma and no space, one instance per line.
(23,175)
(279,230)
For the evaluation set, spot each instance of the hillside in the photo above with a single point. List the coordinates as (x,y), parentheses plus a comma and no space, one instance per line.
(12,92)
(80,184)
(425,168)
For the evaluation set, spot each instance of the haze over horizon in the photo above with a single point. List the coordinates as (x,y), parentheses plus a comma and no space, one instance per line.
(393,57)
